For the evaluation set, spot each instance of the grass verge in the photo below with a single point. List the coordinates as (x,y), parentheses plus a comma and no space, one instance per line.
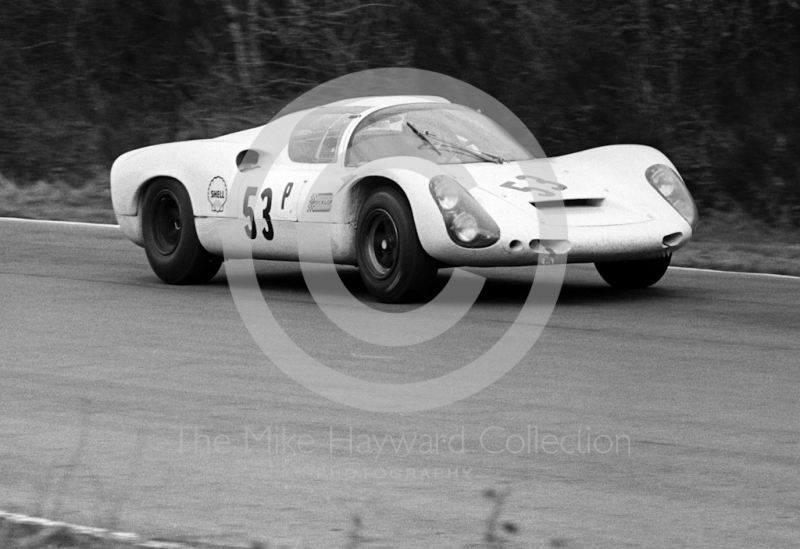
(58,201)
(19,531)
(734,241)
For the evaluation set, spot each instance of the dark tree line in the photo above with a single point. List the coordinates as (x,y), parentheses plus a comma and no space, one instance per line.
(713,83)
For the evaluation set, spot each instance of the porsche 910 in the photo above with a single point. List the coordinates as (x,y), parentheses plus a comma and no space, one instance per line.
(407,186)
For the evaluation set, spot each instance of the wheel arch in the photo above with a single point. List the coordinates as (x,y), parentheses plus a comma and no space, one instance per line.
(132,225)
(173,249)
(193,163)
(414,187)
(408,276)
(358,193)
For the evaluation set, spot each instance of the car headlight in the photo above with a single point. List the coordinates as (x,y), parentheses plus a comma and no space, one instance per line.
(670,185)
(467,222)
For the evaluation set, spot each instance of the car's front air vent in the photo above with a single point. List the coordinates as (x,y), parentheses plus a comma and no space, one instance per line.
(569,203)
(672,240)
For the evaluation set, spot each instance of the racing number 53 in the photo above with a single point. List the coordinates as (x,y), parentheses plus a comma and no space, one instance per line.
(250,229)
(537,180)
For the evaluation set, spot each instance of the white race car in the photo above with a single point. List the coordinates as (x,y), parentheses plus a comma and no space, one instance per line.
(405,185)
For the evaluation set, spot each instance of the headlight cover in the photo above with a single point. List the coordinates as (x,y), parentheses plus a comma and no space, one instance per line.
(467,222)
(670,185)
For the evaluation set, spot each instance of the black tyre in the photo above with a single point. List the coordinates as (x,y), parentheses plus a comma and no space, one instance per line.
(392,263)
(170,238)
(633,274)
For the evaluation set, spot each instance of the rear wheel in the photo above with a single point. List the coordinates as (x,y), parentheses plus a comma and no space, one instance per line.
(170,239)
(392,263)
(640,273)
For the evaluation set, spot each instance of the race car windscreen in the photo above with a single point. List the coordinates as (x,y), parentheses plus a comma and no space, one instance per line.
(441,133)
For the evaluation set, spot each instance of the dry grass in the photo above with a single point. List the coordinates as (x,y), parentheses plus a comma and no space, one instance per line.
(58,201)
(733,241)
(25,532)
(26,535)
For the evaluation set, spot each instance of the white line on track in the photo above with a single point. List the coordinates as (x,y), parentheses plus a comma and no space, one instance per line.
(98,533)
(735,272)
(109,226)
(51,222)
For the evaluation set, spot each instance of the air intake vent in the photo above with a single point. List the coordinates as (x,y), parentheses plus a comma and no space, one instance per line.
(569,203)
(247,160)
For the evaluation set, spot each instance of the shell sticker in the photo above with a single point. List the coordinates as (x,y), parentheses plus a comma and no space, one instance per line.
(217,194)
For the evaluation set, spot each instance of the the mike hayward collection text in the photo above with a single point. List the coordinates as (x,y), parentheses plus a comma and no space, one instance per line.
(284,439)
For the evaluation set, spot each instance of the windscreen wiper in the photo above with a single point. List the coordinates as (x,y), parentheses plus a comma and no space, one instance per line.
(425,134)
(422,135)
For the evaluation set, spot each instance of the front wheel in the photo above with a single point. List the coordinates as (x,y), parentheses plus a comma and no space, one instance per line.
(170,238)
(628,275)
(392,263)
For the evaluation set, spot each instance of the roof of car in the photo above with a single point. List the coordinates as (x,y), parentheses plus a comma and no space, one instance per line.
(388,100)
(370,103)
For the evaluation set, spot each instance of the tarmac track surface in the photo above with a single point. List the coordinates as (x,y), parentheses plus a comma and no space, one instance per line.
(129,403)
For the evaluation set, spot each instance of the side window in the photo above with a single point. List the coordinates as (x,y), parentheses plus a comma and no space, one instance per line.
(316,137)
